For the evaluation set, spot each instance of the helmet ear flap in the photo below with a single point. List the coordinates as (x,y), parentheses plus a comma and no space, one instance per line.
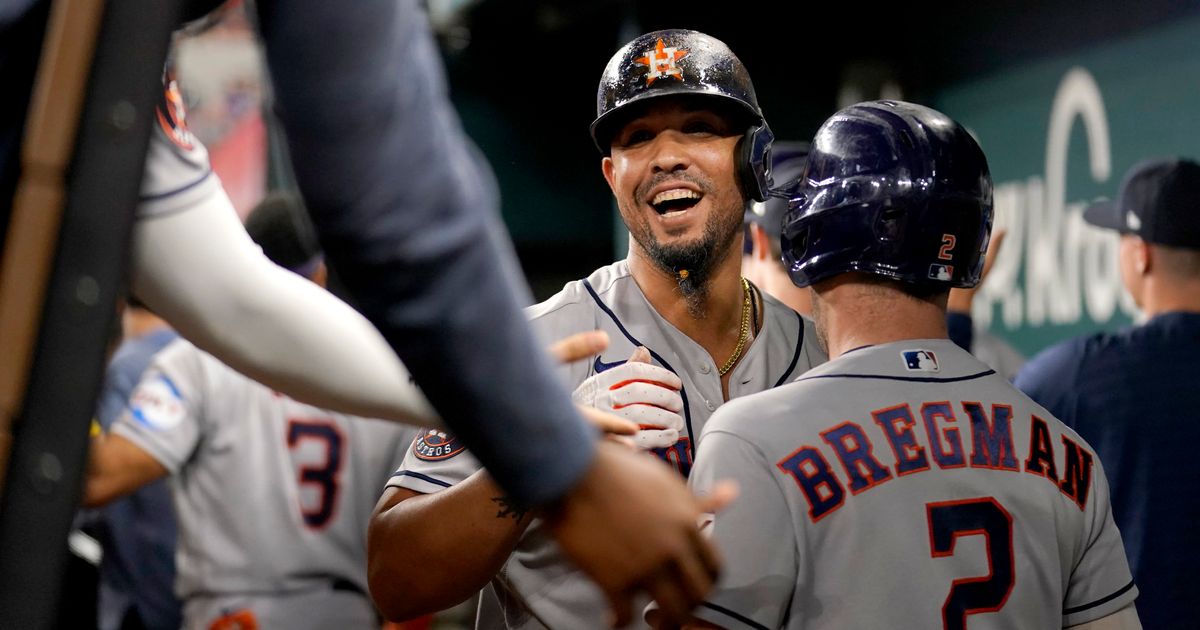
(752,157)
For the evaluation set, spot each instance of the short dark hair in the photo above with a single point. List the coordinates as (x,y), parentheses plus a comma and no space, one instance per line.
(279,224)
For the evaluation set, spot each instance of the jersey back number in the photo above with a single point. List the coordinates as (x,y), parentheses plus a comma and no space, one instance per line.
(973,517)
(316,449)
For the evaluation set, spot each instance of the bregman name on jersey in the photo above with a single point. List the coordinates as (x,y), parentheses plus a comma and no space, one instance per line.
(933,433)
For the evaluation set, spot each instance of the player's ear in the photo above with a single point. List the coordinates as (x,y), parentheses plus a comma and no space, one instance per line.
(1143,257)
(606,166)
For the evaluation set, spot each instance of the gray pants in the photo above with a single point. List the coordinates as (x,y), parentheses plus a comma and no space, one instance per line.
(318,609)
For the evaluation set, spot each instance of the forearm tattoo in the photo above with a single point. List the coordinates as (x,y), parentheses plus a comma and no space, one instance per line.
(509,509)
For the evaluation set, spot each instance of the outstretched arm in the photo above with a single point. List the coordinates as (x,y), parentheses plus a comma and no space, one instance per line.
(408,216)
(199,270)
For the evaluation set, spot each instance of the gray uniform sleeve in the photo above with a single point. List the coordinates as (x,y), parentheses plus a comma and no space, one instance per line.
(753,534)
(164,410)
(434,462)
(1101,583)
(409,219)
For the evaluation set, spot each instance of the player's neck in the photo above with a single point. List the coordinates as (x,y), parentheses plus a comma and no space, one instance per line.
(853,316)
(1170,296)
(714,320)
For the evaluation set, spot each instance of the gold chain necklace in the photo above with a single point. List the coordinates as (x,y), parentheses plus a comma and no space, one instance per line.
(745,333)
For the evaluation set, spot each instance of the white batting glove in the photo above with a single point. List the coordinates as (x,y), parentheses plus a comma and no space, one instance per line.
(640,392)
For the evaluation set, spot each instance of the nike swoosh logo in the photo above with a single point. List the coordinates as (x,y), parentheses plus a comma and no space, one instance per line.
(601,366)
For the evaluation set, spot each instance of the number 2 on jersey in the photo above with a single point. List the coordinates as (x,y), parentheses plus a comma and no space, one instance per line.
(319,472)
(973,517)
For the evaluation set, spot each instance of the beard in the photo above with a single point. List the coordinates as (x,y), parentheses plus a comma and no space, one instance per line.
(698,258)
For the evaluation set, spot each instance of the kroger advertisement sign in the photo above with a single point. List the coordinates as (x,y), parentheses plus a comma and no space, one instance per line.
(1059,134)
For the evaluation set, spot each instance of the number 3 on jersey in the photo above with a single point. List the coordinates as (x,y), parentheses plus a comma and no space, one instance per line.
(973,517)
(316,452)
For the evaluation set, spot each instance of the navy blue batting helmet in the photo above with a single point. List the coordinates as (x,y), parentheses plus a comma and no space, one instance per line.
(891,189)
(678,62)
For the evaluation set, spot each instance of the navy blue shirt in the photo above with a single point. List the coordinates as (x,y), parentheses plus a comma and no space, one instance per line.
(137,532)
(1135,396)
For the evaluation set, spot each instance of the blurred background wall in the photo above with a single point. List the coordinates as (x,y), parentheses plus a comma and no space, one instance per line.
(1063,96)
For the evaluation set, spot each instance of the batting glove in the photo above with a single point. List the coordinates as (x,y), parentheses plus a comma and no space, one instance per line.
(640,392)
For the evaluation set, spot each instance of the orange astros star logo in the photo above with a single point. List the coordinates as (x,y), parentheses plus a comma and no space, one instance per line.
(661,62)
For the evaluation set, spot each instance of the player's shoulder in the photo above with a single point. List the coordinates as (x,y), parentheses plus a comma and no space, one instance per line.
(776,313)
(583,297)
(780,316)
(193,369)
(1061,363)
(760,417)
(136,353)
(178,352)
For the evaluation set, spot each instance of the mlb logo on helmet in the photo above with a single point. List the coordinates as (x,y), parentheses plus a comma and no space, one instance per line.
(920,361)
(661,62)
(941,272)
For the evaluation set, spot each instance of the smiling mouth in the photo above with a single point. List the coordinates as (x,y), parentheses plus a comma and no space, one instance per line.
(675,202)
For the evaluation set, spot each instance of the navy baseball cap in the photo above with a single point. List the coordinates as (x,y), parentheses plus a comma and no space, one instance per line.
(1159,201)
(787,164)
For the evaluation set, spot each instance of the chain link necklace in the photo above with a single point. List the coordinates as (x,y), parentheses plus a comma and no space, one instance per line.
(745,333)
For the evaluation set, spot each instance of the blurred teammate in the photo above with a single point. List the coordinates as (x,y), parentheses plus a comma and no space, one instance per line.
(272,495)
(903,484)
(1133,393)
(136,533)
(408,215)
(684,145)
(986,347)
(763,263)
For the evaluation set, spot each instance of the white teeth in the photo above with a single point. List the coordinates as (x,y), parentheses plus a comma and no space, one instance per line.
(673,214)
(673,194)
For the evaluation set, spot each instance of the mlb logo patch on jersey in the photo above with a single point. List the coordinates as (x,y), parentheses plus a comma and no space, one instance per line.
(157,404)
(436,445)
(920,361)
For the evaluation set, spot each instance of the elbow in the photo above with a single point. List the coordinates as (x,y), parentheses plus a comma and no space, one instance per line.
(393,562)
(95,493)
(395,589)
(400,554)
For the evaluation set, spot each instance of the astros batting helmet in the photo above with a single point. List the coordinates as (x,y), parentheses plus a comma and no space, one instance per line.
(891,189)
(682,62)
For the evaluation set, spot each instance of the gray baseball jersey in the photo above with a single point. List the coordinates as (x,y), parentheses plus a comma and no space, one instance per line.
(273,497)
(177,172)
(536,588)
(907,485)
